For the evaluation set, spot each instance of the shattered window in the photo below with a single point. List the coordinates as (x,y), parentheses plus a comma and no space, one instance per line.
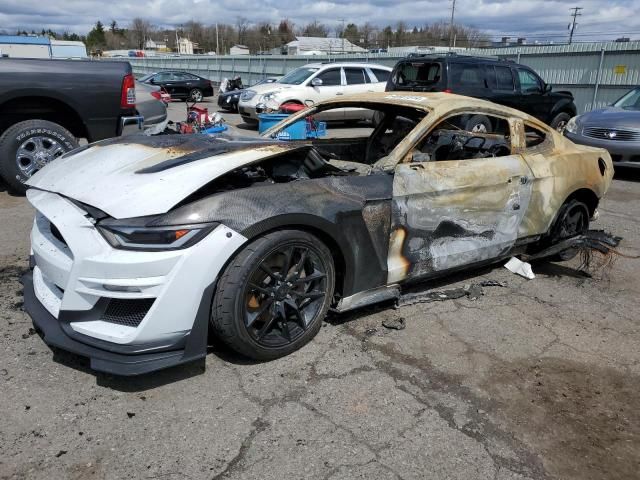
(534,137)
(417,73)
(452,139)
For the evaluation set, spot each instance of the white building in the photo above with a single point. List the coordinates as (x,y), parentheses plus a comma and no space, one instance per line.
(239,50)
(154,45)
(324,45)
(186,46)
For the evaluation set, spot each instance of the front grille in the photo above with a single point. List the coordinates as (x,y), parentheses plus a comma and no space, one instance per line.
(128,312)
(623,135)
(56,233)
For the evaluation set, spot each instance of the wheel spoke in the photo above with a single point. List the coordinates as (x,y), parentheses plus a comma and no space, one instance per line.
(313,295)
(260,289)
(268,323)
(297,269)
(288,258)
(298,314)
(310,278)
(252,317)
(266,269)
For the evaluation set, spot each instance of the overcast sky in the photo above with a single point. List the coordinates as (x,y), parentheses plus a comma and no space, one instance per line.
(600,18)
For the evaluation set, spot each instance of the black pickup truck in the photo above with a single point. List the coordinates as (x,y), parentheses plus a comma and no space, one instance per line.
(47,105)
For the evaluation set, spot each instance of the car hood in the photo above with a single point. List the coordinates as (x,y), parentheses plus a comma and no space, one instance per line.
(612,117)
(142,175)
(271,87)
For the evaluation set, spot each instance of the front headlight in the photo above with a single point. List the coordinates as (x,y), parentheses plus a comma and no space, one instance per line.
(247,95)
(572,125)
(269,96)
(135,237)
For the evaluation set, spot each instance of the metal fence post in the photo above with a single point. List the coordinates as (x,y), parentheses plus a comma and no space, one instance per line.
(598,78)
(518,59)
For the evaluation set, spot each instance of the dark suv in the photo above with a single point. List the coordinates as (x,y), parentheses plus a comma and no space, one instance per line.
(499,81)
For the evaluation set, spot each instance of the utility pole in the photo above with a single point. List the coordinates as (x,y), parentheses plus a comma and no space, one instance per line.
(453,12)
(572,26)
(342,19)
(217,41)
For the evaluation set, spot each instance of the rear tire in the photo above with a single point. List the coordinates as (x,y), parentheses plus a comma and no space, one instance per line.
(28,146)
(572,220)
(272,297)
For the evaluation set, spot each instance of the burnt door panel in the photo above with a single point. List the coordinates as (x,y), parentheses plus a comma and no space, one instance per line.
(447,214)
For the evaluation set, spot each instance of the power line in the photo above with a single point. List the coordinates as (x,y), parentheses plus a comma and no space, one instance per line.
(576,14)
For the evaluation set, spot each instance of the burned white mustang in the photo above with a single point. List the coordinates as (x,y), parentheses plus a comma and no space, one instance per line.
(141,243)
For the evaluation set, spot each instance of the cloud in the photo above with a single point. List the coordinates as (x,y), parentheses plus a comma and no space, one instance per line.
(599,19)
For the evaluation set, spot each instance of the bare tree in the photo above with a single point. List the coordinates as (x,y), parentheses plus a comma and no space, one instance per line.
(242,25)
(139,31)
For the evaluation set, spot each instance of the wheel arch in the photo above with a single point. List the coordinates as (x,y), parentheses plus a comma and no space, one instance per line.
(42,107)
(586,196)
(326,232)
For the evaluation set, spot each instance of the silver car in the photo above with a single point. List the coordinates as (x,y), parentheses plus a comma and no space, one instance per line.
(150,105)
(615,128)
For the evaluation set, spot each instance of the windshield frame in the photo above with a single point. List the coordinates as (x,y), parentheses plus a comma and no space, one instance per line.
(312,71)
(626,96)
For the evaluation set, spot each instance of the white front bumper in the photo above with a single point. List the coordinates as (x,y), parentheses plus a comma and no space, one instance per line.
(75,276)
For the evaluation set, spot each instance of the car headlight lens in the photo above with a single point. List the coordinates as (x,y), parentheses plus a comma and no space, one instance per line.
(572,125)
(248,95)
(154,238)
(269,96)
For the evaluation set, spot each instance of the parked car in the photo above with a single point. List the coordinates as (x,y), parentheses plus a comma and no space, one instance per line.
(47,105)
(500,81)
(150,104)
(313,83)
(616,128)
(258,238)
(229,100)
(181,85)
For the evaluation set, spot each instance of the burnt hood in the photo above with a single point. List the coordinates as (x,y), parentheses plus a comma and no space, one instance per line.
(142,175)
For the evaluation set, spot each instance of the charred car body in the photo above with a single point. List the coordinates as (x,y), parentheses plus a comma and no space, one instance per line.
(259,238)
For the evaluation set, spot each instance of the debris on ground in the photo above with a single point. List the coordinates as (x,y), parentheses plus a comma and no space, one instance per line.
(398,323)
(519,267)
(31,332)
(473,292)
(60,453)
(597,240)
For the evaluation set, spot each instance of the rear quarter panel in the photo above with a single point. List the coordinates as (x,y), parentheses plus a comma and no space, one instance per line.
(91,88)
(561,168)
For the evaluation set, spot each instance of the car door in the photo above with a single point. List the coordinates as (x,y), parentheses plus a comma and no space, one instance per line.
(453,213)
(502,85)
(163,79)
(534,101)
(357,80)
(332,86)
(181,84)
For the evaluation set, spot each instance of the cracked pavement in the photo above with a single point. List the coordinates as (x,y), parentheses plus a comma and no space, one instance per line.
(536,380)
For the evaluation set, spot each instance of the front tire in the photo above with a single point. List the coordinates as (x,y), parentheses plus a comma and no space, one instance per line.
(478,124)
(560,121)
(28,146)
(272,297)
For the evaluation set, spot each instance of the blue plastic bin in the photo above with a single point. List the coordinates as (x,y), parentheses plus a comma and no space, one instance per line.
(320,130)
(296,131)
(216,129)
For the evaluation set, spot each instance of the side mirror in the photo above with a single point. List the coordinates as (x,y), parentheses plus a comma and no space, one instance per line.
(151,80)
(547,88)
(316,82)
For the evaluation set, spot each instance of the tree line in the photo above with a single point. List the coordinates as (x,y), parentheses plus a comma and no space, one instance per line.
(264,36)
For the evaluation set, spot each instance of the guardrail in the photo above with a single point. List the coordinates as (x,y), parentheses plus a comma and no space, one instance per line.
(596,74)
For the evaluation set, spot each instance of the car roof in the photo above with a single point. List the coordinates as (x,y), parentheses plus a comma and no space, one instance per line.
(458,59)
(432,101)
(346,64)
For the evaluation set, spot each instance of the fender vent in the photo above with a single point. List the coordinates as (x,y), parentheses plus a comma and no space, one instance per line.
(128,312)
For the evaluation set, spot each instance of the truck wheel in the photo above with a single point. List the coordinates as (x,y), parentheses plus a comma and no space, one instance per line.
(272,297)
(559,122)
(28,146)
(478,124)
